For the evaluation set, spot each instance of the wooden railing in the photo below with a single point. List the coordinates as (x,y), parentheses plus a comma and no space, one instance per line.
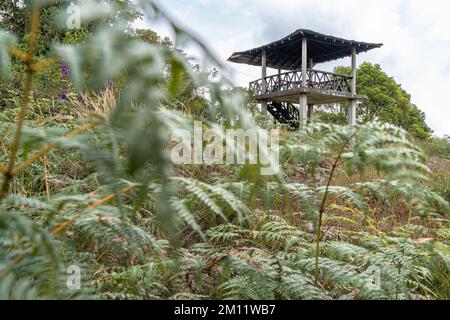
(319,80)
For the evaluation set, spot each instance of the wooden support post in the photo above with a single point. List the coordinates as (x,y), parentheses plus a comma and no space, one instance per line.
(303,111)
(304,62)
(264,83)
(303,103)
(264,107)
(352,112)
(279,80)
(264,71)
(310,112)
(353,70)
(353,102)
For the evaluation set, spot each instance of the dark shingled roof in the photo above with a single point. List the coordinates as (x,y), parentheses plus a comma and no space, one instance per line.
(286,54)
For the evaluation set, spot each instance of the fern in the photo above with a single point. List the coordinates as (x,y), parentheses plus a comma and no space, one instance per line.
(140,228)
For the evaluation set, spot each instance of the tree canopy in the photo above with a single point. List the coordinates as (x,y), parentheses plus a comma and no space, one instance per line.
(14,18)
(386,101)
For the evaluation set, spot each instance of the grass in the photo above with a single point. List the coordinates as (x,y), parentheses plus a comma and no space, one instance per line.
(85,185)
(118,274)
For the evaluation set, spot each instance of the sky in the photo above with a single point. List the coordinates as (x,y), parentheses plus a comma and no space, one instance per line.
(415,34)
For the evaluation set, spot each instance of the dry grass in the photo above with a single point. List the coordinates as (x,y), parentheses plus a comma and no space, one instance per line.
(100,103)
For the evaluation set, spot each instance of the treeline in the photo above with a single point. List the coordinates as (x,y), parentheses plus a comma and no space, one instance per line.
(386,101)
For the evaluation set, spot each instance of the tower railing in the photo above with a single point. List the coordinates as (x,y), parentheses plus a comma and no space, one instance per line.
(291,80)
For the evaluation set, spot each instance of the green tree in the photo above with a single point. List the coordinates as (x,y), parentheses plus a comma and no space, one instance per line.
(13,16)
(151,37)
(386,101)
(14,13)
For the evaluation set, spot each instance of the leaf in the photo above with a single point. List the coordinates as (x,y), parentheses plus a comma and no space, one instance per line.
(6,41)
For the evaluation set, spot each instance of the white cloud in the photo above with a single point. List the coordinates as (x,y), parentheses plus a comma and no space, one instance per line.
(415,36)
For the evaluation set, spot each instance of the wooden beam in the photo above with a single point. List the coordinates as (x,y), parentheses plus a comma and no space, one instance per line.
(303,109)
(304,61)
(264,70)
(310,112)
(264,83)
(353,103)
(354,70)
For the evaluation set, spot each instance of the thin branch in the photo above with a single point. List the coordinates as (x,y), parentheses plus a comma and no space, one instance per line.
(44,64)
(46,148)
(18,53)
(36,156)
(63,226)
(47,190)
(107,198)
(322,207)
(28,89)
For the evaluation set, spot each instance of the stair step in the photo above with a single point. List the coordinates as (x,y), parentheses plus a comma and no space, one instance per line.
(285,113)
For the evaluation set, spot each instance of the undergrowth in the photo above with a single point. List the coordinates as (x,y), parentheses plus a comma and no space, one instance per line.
(87,182)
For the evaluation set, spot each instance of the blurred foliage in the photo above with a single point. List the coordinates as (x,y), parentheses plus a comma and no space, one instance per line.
(92,184)
(437,147)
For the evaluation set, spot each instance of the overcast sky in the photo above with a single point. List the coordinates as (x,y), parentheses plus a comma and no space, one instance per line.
(415,34)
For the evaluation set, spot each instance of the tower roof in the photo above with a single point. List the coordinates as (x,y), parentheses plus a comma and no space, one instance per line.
(286,53)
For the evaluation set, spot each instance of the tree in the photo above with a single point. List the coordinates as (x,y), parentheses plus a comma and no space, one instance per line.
(151,37)
(386,101)
(14,13)
(13,16)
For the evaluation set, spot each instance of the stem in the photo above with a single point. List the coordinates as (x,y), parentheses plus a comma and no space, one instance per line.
(46,148)
(322,209)
(47,190)
(397,290)
(28,90)
(63,226)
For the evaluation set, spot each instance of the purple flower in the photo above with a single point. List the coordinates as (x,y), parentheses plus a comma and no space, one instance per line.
(64,70)
(63,96)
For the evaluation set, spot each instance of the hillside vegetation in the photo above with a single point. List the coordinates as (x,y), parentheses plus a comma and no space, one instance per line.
(86,180)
